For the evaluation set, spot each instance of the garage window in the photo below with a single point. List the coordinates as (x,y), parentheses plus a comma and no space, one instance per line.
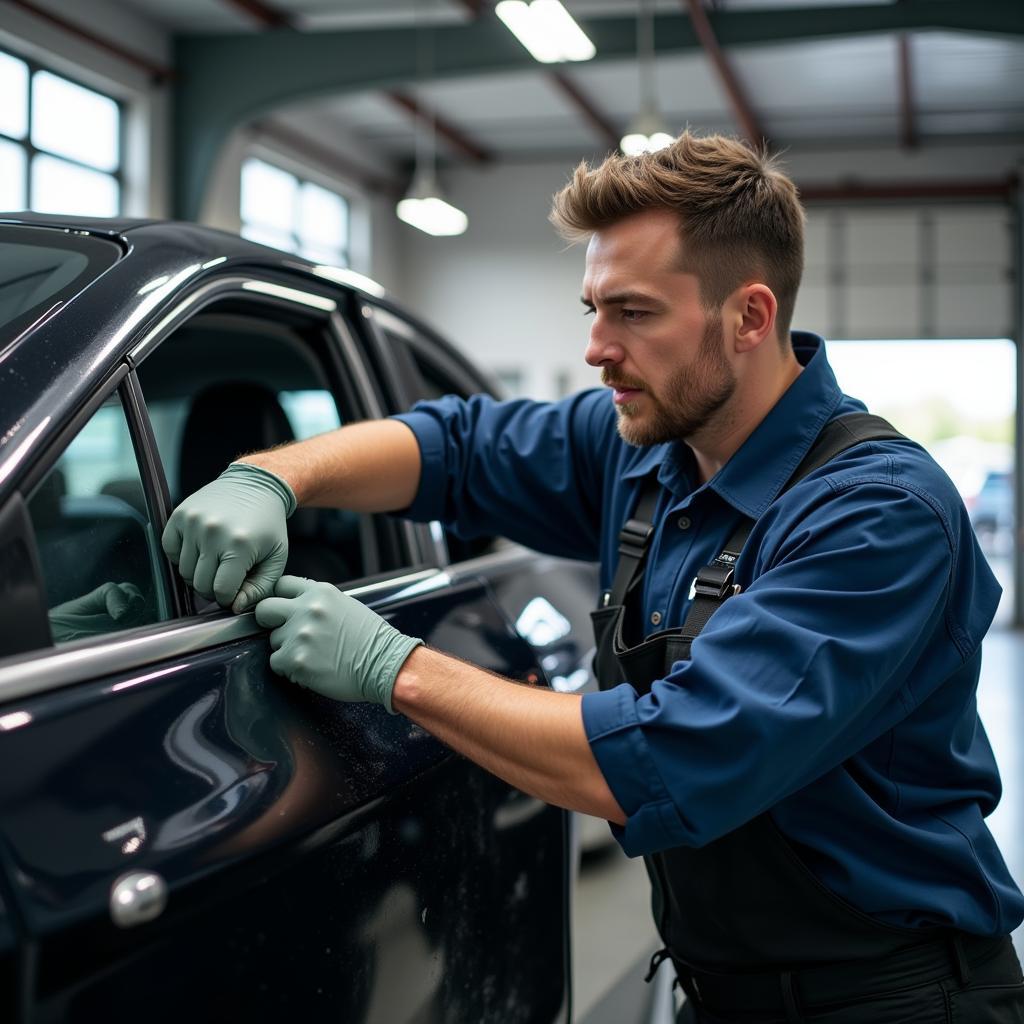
(289,213)
(60,143)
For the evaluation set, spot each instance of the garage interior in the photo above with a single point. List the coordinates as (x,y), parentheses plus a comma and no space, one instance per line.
(302,123)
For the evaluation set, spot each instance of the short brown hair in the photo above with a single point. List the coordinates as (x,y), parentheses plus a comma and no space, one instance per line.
(739,215)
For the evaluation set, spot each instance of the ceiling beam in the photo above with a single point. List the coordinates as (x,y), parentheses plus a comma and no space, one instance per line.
(1005,189)
(159,73)
(267,16)
(908,122)
(742,109)
(594,117)
(216,90)
(455,137)
(318,155)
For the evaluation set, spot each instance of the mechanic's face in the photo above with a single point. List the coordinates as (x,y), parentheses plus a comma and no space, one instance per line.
(656,345)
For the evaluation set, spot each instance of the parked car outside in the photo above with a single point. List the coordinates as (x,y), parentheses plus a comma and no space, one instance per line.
(184,835)
(991,511)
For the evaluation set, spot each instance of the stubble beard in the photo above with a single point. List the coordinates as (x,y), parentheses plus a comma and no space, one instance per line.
(690,397)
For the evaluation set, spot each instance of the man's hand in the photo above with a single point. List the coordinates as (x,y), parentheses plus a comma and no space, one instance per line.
(329,642)
(111,606)
(229,540)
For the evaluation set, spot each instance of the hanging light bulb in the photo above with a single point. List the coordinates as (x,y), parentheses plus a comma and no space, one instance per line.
(424,205)
(646,132)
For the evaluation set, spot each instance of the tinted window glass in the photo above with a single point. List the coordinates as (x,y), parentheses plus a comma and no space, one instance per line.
(41,268)
(98,549)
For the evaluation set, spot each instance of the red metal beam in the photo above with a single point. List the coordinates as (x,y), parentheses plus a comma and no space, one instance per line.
(313,152)
(454,136)
(743,111)
(267,16)
(594,117)
(908,127)
(159,72)
(1005,189)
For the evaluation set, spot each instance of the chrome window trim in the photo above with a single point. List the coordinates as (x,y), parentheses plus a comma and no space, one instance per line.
(52,668)
(236,285)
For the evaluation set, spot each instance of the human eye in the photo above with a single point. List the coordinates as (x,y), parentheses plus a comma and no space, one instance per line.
(588,310)
(634,315)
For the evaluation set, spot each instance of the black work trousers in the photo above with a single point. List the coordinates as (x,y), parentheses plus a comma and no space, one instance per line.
(989,992)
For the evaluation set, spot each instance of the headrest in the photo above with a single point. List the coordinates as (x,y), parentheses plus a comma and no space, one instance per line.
(227,420)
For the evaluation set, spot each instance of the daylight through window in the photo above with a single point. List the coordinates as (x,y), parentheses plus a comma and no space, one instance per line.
(60,143)
(284,211)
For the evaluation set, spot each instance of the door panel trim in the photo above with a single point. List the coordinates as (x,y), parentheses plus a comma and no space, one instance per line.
(50,668)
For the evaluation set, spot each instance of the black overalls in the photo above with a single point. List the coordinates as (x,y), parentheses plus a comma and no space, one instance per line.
(753,934)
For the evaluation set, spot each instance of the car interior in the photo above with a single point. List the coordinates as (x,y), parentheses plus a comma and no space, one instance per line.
(225,385)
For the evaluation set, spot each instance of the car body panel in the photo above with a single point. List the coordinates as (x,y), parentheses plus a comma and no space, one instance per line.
(323,861)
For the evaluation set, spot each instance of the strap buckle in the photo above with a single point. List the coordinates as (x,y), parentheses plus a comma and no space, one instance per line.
(714,581)
(635,537)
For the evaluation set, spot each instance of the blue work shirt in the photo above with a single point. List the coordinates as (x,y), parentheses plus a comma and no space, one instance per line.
(837,690)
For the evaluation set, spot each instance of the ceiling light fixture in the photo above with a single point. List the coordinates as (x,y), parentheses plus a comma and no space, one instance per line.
(546,29)
(424,206)
(646,133)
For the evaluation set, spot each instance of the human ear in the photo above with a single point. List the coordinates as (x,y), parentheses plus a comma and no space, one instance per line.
(756,308)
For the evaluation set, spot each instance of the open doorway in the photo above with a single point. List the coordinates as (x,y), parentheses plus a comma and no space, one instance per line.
(958,399)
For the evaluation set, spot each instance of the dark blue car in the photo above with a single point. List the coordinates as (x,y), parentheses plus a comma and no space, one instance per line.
(183,835)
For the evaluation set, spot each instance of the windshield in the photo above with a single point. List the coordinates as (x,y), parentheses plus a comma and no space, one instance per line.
(41,268)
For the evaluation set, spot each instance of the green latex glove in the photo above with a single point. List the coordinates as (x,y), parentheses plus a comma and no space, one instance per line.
(229,540)
(329,642)
(108,608)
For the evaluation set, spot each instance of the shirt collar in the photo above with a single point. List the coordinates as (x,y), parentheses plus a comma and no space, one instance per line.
(751,480)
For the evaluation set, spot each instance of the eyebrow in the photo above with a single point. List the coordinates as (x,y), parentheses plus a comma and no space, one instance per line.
(624,299)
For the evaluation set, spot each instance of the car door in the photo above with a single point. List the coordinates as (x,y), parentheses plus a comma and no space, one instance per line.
(183,834)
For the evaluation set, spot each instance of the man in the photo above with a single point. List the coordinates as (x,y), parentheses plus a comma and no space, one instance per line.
(803,769)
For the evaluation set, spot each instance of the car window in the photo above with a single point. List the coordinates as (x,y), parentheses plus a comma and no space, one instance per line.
(98,551)
(229,383)
(434,377)
(40,268)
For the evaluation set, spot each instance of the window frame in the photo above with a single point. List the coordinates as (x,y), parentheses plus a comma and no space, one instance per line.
(32,151)
(349,376)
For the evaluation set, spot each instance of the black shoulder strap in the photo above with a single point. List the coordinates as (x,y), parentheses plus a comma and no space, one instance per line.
(714,583)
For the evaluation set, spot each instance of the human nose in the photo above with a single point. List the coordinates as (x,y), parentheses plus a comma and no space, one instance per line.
(603,347)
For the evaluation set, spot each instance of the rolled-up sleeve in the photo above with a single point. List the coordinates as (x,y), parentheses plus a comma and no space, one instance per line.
(530,471)
(791,677)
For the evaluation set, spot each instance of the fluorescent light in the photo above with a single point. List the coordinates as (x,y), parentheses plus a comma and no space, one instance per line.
(556,21)
(433,215)
(546,29)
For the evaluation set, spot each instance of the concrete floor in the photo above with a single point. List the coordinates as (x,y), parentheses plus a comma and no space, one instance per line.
(612,927)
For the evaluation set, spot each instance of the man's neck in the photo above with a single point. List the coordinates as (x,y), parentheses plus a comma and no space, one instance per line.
(739,418)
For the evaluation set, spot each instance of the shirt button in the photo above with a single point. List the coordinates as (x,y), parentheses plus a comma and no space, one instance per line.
(655,618)
(684,522)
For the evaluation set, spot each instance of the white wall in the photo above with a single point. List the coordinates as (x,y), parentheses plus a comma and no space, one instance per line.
(507,291)
(147,108)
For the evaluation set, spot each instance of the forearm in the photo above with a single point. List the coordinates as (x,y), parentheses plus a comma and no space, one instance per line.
(367,467)
(532,738)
